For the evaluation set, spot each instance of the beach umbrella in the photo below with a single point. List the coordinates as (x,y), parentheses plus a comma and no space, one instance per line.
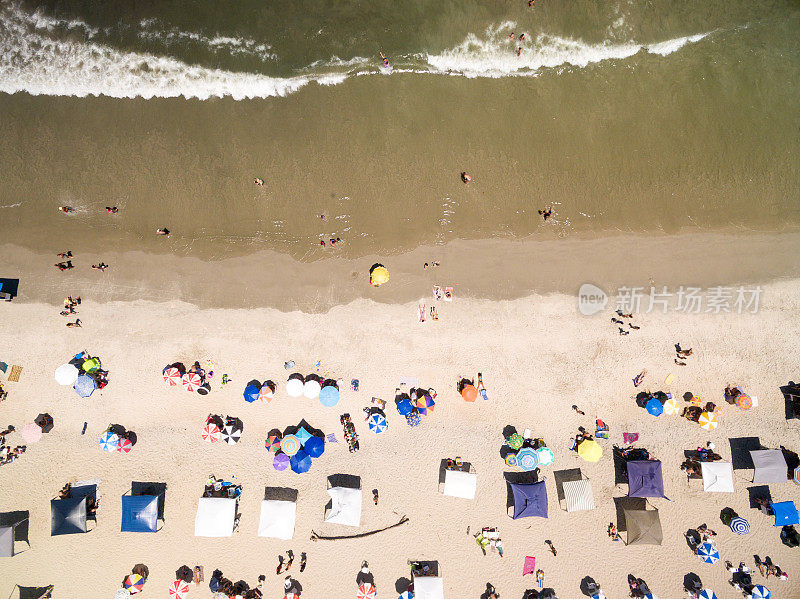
(251,393)
(91,365)
(311,389)
(122,594)
(294,387)
(425,404)
(378,275)
(545,455)
(329,396)
(178,590)
(760,592)
(366,591)
(191,381)
(708,553)
(707,594)
(413,419)
(67,374)
(511,459)
(31,432)
(527,459)
(125,445)
(404,407)
(211,433)
(796,476)
(708,421)
(109,441)
(291,596)
(172,376)
(265,394)
(377,423)
(745,402)
(469,393)
(281,462)
(671,407)
(515,441)
(406,595)
(134,583)
(654,407)
(300,462)
(84,385)
(290,445)
(231,434)
(302,435)
(314,447)
(273,443)
(45,422)
(590,450)
(740,526)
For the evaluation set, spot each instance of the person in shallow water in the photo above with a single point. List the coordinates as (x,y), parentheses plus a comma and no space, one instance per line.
(546,212)
(465,177)
(162,231)
(385,60)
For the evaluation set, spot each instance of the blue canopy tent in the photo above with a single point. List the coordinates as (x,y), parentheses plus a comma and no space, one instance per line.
(139,513)
(530,499)
(785,513)
(645,479)
(68,516)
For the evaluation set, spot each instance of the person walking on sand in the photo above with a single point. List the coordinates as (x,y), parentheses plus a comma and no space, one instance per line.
(77,323)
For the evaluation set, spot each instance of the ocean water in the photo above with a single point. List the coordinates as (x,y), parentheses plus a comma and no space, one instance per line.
(623,115)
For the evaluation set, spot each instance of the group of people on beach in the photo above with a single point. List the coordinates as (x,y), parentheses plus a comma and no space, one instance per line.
(7,453)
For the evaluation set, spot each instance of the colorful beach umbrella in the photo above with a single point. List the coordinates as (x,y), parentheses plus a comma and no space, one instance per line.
(425,404)
(211,433)
(545,455)
(413,419)
(294,387)
(134,583)
(377,423)
(266,394)
(300,462)
(366,591)
(796,476)
(251,393)
(67,374)
(527,458)
(654,407)
(231,434)
(708,553)
(314,447)
(740,526)
(378,276)
(515,441)
(469,393)
(178,590)
(109,441)
(329,396)
(172,376)
(124,445)
(290,445)
(708,421)
(191,381)
(707,594)
(311,389)
(91,365)
(84,385)
(404,407)
(760,592)
(273,443)
(590,450)
(31,432)
(745,402)
(671,407)
(291,596)
(281,462)
(511,459)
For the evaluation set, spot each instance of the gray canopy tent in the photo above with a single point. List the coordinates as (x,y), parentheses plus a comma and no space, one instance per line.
(644,527)
(34,592)
(68,516)
(13,527)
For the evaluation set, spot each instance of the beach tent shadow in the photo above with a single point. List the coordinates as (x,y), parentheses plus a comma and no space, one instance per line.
(9,286)
(348,481)
(563,476)
(692,582)
(627,503)
(740,452)
(157,489)
(587,586)
(791,393)
(466,467)
(518,478)
(508,430)
(758,492)
(280,494)
(620,470)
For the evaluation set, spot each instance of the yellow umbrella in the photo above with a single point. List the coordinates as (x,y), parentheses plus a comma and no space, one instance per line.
(378,275)
(708,420)
(671,407)
(590,450)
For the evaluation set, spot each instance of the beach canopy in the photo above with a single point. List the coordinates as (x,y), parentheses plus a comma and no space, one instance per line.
(84,385)
(428,587)
(460,484)
(717,477)
(67,374)
(215,516)
(785,513)
(578,495)
(644,479)
(13,527)
(251,393)
(530,499)
(590,450)
(277,519)
(644,527)
(139,513)
(33,592)
(770,466)
(345,506)
(67,516)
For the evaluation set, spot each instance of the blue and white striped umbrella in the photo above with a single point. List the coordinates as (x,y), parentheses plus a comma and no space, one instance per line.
(377,423)
(406,595)
(740,526)
(708,553)
(707,594)
(109,441)
(649,596)
(760,592)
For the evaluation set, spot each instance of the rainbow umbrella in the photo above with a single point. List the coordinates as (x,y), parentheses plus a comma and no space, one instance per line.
(134,583)
(413,419)
(425,404)
(211,433)
(281,462)
(109,441)
(377,423)
(527,459)
(178,589)
(172,376)
(191,381)
(671,407)
(511,459)
(366,591)
(708,421)
(290,445)
(545,455)
(125,445)
(273,443)
(796,477)
(515,441)
(745,402)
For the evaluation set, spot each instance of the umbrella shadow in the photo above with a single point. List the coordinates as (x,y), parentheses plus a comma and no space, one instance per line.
(488,591)
(758,492)
(692,583)
(508,430)
(401,585)
(589,586)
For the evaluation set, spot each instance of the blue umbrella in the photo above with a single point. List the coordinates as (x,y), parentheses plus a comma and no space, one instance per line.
(314,447)
(329,396)
(251,393)
(654,407)
(85,385)
(300,462)
(740,526)
(377,423)
(708,553)
(413,419)
(404,407)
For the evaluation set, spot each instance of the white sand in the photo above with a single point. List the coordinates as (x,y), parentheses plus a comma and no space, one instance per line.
(538,357)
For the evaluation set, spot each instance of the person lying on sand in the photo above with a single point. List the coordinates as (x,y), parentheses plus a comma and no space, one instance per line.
(67,254)
(101,266)
(64,265)
(77,323)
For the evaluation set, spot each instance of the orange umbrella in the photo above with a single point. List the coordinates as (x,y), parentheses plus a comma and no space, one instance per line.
(744,402)
(469,393)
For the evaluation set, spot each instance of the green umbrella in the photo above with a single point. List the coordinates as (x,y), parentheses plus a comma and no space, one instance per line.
(515,441)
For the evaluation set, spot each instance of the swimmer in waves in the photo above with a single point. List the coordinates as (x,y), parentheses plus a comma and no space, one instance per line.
(66,209)
(385,61)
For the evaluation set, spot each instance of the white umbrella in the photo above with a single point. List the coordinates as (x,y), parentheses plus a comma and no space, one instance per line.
(311,389)
(294,387)
(67,374)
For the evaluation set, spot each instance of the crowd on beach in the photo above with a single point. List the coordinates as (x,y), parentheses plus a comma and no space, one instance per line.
(8,453)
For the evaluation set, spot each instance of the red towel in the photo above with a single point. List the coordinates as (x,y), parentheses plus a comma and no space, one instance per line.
(530,565)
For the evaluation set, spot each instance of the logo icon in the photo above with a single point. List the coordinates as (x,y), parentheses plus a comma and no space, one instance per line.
(591,299)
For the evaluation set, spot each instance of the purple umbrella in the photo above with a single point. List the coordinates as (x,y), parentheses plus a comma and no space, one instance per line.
(281,461)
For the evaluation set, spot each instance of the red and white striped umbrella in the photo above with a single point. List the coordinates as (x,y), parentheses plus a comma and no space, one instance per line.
(178,589)
(172,376)
(125,445)
(211,433)
(366,591)
(191,381)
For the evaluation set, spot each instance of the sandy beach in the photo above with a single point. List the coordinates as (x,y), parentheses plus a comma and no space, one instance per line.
(538,357)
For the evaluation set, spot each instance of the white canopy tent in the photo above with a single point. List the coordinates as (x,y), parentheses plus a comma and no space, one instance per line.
(578,495)
(770,466)
(460,484)
(277,519)
(215,516)
(428,587)
(717,477)
(345,506)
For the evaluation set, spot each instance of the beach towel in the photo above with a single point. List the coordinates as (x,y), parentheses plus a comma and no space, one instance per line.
(529,567)
(14,375)
(629,438)
(331,438)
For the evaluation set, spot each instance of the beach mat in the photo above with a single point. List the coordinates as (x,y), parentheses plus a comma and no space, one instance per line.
(13,376)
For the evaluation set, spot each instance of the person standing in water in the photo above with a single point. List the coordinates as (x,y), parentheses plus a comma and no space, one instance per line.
(385,61)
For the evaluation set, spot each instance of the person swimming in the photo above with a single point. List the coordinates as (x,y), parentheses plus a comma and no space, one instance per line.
(546,212)
(66,209)
(101,266)
(385,60)
(162,231)
(465,177)
(112,209)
